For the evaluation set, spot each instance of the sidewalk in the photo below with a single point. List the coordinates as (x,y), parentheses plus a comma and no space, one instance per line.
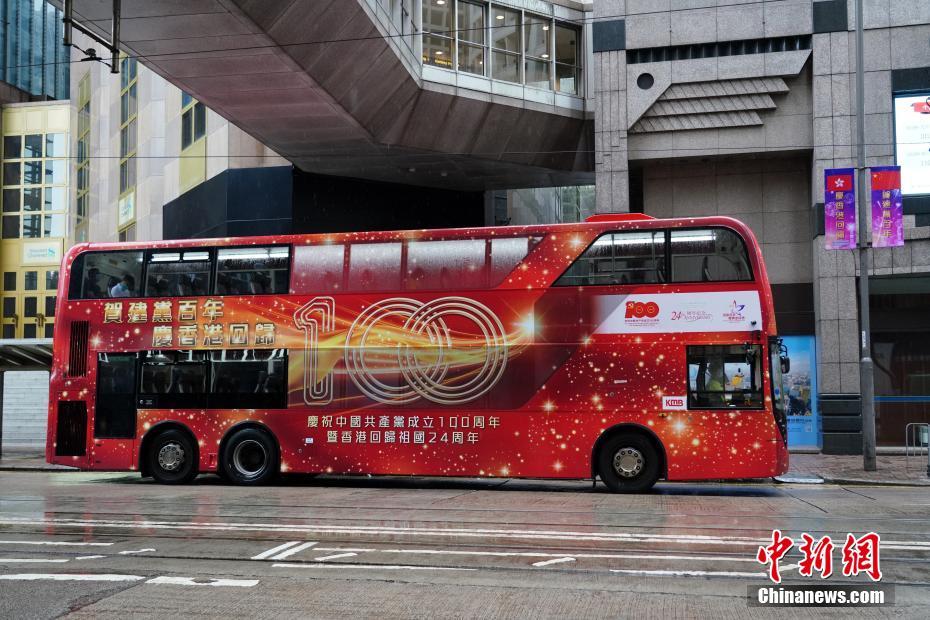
(848,469)
(27,459)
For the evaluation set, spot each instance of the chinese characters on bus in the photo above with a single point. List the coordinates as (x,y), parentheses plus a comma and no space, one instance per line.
(212,331)
(398,429)
(859,555)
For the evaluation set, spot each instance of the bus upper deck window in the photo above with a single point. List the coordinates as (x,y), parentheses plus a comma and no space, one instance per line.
(446,264)
(104,275)
(178,273)
(636,257)
(252,271)
(709,255)
(375,266)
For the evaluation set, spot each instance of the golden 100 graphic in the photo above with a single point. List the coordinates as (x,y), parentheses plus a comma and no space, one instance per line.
(449,350)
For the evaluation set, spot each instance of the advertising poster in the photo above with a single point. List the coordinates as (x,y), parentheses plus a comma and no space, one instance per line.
(839,208)
(801,389)
(912,142)
(887,207)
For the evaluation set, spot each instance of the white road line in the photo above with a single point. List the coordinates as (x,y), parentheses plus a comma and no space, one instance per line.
(372,567)
(293,550)
(134,552)
(334,557)
(534,554)
(685,573)
(55,543)
(191,581)
(30,561)
(274,550)
(69,577)
(89,557)
(345,549)
(553,561)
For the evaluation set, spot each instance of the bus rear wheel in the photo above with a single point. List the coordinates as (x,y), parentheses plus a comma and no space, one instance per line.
(250,457)
(172,458)
(628,463)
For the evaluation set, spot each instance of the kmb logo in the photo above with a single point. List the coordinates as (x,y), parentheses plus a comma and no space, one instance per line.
(640,310)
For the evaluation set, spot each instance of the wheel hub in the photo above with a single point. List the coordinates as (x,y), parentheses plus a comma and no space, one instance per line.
(250,458)
(171,456)
(629,462)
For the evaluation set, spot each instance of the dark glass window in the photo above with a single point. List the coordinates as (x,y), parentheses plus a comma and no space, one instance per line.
(51,280)
(30,306)
(12,147)
(620,258)
(708,255)
(32,199)
(33,146)
(11,227)
(178,273)
(97,275)
(49,330)
(115,414)
(9,307)
(31,281)
(174,372)
(725,377)
(9,280)
(9,330)
(248,378)
(29,330)
(11,172)
(32,172)
(11,200)
(253,270)
(200,120)
(49,307)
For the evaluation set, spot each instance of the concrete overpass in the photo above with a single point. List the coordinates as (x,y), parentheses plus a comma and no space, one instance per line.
(338,88)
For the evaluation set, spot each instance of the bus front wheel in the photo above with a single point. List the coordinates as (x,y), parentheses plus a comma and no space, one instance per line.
(628,463)
(172,458)
(250,456)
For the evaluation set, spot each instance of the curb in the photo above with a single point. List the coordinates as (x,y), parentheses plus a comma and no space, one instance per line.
(875,483)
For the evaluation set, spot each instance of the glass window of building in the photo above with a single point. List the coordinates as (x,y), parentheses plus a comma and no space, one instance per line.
(472,47)
(537,37)
(438,35)
(82,186)
(127,137)
(32,57)
(567,59)
(505,42)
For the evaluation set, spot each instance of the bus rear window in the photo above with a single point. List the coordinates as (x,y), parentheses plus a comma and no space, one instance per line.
(101,275)
(708,255)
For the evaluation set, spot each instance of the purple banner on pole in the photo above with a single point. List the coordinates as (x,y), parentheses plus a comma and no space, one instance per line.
(839,208)
(887,208)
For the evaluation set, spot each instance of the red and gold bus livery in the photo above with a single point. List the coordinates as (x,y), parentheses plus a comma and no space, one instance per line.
(624,347)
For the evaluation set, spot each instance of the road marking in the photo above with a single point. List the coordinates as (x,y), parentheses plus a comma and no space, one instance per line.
(345,549)
(334,557)
(30,561)
(135,551)
(372,567)
(274,550)
(52,542)
(616,537)
(534,554)
(69,577)
(685,573)
(293,550)
(89,557)
(553,561)
(191,581)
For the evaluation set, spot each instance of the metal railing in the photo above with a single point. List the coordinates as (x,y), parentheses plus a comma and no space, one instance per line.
(916,440)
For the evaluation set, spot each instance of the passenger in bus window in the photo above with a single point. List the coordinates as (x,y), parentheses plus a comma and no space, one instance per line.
(124,287)
(91,286)
(715,384)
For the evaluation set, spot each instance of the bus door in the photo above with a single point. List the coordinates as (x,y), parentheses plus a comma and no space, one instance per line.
(115,412)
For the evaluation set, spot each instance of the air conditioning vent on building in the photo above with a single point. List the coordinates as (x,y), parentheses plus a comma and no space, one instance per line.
(71,430)
(77,356)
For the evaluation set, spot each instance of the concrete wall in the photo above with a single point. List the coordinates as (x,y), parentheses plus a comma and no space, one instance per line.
(25,409)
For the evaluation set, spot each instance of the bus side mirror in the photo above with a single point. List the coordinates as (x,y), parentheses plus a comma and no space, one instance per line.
(785,365)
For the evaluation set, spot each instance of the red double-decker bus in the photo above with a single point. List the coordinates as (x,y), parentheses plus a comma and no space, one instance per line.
(624,347)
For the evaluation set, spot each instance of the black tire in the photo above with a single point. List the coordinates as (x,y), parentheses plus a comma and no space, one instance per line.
(172,457)
(628,463)
(250,457)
